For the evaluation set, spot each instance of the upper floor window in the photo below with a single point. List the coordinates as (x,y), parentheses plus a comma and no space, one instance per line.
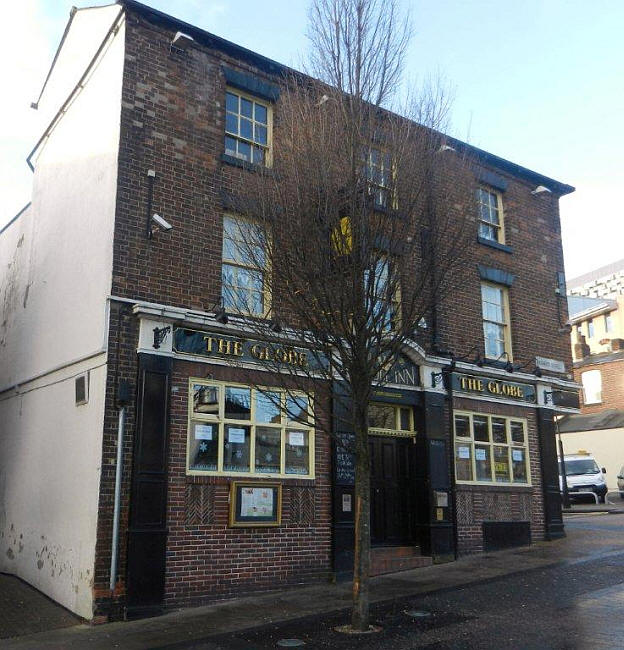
(490,205)
(496,322)
(382,290)
(590,329)
(247,128)
(379,176)
(243,270)
(608,323)
(592,386)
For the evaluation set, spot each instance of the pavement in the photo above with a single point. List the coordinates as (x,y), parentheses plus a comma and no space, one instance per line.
(568,593)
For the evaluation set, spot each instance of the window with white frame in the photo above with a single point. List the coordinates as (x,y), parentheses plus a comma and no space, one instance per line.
(592,386)
(379,176)
(243,272)
(490,207)
(496,322)
(247,127)
(382,289)
(590,329)
(490,449)
(239,430)
(608,322)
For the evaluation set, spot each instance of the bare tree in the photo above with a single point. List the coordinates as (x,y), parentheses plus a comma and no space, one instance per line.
(356,230)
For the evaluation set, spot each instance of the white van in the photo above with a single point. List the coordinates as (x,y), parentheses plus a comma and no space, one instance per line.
(583,475)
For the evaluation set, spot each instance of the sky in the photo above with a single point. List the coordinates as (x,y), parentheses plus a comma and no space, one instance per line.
(539,82)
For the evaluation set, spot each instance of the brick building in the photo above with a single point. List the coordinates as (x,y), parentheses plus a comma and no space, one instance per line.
(111,334)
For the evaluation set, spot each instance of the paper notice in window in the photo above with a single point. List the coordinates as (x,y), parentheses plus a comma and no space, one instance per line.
(346,503)
(203,432)
(296,439)
(236,436)
(516,454)
(463,452)
(480,454)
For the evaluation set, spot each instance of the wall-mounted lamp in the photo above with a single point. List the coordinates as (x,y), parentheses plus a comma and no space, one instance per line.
(220,314)
(160,334)
(541,189)
(445,147)
(181,41)
(536,370)
(275,325)
(508,366)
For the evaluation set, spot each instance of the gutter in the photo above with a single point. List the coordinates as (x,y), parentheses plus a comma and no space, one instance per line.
(77,88)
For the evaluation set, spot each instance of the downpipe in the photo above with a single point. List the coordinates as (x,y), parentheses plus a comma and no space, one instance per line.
(117,504)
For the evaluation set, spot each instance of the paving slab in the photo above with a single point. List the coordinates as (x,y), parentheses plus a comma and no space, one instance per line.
(25,610)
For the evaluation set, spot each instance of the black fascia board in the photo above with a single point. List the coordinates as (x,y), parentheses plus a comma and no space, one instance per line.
(273,67)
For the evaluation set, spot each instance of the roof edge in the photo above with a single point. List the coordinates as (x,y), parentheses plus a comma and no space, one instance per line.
(274,67)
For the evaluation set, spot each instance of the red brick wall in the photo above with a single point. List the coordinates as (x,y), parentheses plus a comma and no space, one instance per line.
(533,232)
(612,373)
(477,503)
(172,121)
(212,560)
(122,364)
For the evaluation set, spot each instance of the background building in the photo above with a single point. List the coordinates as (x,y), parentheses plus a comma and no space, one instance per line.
(596,308)
(114,355)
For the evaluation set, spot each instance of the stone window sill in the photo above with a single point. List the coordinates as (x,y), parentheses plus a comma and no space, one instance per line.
(494,244)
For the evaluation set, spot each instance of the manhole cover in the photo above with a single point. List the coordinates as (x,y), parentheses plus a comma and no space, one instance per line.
(290,643)
(417,613)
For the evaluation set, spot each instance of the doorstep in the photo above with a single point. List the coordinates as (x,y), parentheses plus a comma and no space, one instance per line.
(392,559)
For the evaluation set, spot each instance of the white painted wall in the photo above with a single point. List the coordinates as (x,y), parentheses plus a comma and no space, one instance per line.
(53,302)
(605,445)
(50,455)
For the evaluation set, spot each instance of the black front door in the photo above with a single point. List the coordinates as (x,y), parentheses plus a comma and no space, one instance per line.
(392,494)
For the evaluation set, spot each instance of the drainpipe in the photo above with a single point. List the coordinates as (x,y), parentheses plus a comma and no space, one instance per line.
(118,472)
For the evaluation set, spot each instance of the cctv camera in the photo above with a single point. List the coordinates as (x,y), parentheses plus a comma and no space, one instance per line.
(161,223)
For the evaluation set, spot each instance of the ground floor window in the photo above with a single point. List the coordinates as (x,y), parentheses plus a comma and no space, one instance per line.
(236,429)
(490,449)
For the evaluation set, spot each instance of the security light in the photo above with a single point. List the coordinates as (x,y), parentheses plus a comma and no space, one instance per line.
(445,147)
(181,40)
(541,189)
(322,100)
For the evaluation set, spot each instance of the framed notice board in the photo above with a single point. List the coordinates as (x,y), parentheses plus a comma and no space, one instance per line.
(255,504)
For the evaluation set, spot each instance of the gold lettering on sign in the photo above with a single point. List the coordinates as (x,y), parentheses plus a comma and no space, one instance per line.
(493,387)
(280,355)
(471,383)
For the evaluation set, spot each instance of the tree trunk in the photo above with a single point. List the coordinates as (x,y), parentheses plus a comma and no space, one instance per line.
(361,559)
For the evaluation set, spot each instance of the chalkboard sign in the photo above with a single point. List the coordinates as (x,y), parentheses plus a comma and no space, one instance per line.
(344,459)
(438,464)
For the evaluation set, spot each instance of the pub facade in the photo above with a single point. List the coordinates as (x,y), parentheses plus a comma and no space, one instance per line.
(204,474)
